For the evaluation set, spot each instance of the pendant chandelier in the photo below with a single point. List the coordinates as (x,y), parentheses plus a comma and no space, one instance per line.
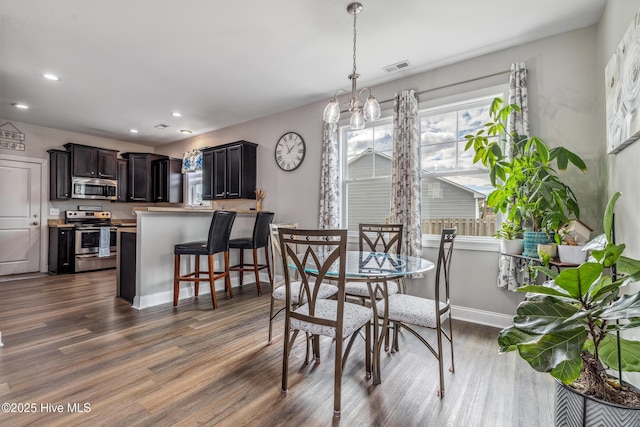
(359,113)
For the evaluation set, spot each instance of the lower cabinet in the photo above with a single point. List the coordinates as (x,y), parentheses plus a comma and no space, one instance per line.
(61,250)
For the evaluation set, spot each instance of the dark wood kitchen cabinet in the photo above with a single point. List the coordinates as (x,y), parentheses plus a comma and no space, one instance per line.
(139,176)
(93,162)
(167,180)
(229,171)
(59,175)
(122,176)
(61,250)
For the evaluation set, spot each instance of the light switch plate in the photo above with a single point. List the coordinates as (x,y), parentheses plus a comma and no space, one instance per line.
(54,211)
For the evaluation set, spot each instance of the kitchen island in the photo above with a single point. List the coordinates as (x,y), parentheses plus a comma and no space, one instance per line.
(158,229)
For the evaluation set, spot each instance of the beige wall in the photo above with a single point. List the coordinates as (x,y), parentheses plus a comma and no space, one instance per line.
(621,170)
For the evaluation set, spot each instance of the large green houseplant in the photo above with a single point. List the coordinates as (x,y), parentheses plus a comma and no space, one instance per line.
(570,326)
(527,187)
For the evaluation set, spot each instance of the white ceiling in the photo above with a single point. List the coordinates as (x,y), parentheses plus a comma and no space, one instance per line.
(130,63)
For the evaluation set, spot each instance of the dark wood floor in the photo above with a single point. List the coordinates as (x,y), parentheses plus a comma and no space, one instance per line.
(67,340)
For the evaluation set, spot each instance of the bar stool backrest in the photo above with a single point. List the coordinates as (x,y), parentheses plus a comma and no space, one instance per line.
(220,231)
(261,229)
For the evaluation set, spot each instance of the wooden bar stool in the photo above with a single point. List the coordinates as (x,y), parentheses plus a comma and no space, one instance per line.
(259,239)
(218,241)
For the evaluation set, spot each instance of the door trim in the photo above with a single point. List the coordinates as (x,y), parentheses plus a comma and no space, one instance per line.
(44,203)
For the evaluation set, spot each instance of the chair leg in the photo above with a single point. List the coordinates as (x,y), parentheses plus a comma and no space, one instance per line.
(285,357)
(176,279)
(367,349)
(256,271)
(337,378)
(271,319)
(241,264)
(227,275)
(439,335)
(266,257)
(452,368)
(196,284)
(212,282)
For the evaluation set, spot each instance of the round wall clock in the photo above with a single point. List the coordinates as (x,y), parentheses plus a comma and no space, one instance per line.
(290,151)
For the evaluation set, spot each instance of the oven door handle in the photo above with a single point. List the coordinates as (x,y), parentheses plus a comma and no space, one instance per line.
(95,255)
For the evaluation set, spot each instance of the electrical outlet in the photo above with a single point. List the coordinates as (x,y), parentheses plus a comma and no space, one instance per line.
(54,211)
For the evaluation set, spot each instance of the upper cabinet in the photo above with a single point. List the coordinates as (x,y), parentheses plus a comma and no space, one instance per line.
(92,162)
(167,180)
(229,171)
(59,176)
(139,176)
(123,172)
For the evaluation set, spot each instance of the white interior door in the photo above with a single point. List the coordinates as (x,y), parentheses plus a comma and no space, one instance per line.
(20,216)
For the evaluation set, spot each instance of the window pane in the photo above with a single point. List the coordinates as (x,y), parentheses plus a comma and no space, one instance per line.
(457,201)
(383,146)
(368,202)
(438,158)
(470,120)
(437,128)
(359,146)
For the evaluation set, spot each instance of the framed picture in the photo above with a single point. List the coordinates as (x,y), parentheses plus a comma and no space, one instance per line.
(622,75)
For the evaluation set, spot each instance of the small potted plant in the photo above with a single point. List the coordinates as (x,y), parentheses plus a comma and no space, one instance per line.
(571,328)
(510,235)
(527,187)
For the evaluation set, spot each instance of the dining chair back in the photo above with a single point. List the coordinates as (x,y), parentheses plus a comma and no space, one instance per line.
(386,238)
(259,239)
(318,255)
(217,242)
(404,309)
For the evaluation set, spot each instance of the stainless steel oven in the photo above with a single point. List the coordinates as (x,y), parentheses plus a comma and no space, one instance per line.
(87,239)
(88,248)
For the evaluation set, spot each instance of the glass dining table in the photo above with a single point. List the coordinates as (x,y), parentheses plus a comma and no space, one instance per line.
(376,269)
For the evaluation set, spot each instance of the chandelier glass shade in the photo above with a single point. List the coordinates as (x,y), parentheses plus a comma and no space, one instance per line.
(361,112)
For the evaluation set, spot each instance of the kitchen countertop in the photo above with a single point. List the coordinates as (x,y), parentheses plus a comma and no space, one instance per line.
(190,210)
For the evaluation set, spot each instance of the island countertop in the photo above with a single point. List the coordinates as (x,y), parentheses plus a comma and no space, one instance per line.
(189,210)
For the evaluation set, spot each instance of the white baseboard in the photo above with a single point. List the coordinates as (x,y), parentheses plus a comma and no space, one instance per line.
(481,317)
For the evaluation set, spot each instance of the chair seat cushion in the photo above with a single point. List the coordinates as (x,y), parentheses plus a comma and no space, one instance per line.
(241,243)
(325,291)
(191,248)
(355,316)
(360,289)
(412,310)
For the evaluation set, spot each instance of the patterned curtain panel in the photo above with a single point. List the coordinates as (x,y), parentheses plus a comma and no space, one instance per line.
(192,160)
(329,179)
(405,172)
(513,273)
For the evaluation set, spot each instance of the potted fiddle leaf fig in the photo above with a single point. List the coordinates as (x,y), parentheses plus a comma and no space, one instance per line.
(527,187)
(573,328)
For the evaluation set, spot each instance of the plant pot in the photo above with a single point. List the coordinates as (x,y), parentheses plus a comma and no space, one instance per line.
(513,246)
(572,254)
(576,409)
(550,249)
(531,241)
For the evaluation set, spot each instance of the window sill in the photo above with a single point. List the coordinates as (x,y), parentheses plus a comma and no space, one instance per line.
(485,244)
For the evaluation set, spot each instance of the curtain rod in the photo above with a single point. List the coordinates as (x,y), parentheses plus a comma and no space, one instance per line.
(454,84)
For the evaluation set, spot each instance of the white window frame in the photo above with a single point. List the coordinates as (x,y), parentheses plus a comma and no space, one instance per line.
(428,240)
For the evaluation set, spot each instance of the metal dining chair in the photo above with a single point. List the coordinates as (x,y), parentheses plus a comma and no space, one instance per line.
(385,238)
(278,288)
(315,253)
(217,242)
(404,310)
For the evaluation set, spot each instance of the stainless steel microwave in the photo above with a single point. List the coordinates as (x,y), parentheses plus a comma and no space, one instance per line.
(93,188)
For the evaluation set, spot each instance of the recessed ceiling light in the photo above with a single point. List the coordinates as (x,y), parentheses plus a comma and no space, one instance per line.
(50,76)
(20,106)
(185,131)
(133,130)
(176,114)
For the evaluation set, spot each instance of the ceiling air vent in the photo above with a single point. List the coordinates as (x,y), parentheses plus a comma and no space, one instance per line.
(161,126)
(396,66)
